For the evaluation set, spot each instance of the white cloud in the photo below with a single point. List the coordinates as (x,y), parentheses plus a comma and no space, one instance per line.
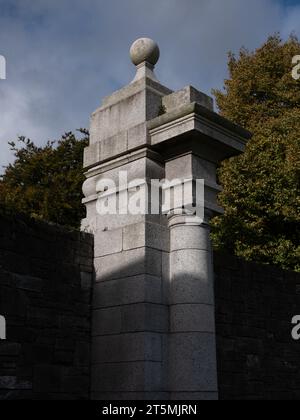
(63,56)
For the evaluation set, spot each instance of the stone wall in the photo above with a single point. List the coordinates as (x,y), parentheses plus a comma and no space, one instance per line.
(45,294)
(257,358)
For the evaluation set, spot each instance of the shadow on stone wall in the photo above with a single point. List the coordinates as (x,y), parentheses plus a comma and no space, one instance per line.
(46,277)
(257,357)
(45,295)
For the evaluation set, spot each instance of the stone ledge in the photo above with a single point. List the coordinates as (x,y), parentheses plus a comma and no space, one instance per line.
(200,110)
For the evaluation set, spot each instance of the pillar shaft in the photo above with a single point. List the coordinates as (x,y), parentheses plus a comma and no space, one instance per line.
(192,341)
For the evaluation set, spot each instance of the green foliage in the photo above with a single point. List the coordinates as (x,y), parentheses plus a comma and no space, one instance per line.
(45,182)
(261,195)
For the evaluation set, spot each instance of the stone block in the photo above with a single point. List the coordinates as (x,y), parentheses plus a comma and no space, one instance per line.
(120,116)
(76,388)
(194,396)
(8,382)
(47,378)
(192,318)
(203,169)
(127,108)
(29,283)
(141,317)
(186,96)
(137,136)
(128,263)
(191,277)
(13,383)
(108,242)
(130,396)
(141,164)
(9,349)
(146,234)
(193,362)
(127,377)
(190,237)
(181,167)
(91,154)
(82,356)
(86,280)
(137,289)
(127,348)
(113,146)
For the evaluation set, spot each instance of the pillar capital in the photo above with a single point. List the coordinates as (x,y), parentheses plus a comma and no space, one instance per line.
(175,219)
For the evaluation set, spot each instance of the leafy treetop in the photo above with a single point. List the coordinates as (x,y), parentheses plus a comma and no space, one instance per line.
(261,188)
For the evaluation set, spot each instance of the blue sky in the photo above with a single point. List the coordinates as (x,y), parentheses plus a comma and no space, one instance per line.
(64,56)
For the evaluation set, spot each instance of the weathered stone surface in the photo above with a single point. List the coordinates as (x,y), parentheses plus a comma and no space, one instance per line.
(190,237)
(144,50)
(257,358)
(128,263)
(146,262)
(127,108)
(108,242)
(126,291)
(137,136)
(141,346)
(45,296)
(130,318)
(192,318)
(114,146)
(192,323)
(91,154)
(220,138)
(198,372)
(127,377)
(146,234)
(189,277)
(194,396)
(9,349)
(12,383)
(186,96)
(130,396)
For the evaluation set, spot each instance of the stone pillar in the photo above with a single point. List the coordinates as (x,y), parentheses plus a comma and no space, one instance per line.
(153,332)
(192,343)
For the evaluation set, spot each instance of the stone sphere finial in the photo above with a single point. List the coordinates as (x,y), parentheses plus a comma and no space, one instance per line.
(144,50)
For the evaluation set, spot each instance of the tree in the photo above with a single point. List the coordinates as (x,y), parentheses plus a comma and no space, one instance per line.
(261,188)
(45,182)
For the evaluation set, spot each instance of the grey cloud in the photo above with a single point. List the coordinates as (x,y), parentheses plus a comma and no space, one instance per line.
(65,55)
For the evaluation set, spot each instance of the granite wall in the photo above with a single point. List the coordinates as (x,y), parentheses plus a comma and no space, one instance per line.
(45,295)
(257,357)
(46,275)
